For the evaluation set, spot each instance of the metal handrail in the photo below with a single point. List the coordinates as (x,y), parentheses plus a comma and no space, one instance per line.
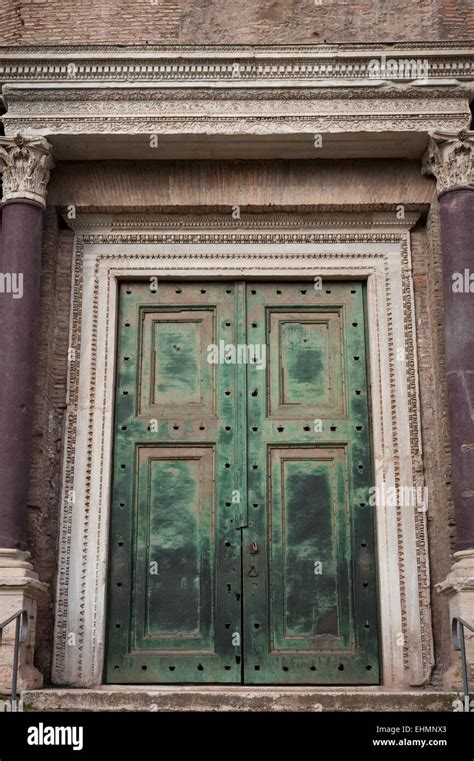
(21,635)
(459,643)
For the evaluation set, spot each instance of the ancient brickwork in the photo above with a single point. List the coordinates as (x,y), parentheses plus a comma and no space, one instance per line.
(29,22)
(50,403)
(428,285)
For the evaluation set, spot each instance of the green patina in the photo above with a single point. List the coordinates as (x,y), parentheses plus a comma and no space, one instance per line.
(242,541)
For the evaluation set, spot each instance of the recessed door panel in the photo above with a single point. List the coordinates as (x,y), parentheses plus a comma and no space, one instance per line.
(306,362)
(172,371)
(175,569)
(308,535)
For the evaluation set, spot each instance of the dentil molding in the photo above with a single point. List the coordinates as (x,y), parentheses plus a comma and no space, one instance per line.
(230,63)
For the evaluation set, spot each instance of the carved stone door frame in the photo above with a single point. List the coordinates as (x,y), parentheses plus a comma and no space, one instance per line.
(372,247)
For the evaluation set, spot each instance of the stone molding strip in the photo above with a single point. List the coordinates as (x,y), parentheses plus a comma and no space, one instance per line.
(257,63)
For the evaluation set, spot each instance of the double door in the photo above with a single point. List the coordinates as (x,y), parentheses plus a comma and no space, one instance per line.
(242,535)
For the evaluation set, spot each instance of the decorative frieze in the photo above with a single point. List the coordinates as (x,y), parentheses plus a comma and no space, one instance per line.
(81,109)
(25,164)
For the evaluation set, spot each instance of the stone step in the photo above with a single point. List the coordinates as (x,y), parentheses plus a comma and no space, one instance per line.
(235,698)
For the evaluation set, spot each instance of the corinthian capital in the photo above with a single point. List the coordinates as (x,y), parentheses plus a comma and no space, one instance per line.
(25,164)
(450,157)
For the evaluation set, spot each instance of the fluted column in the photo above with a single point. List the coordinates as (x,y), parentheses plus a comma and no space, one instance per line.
(25,166)
(450,158)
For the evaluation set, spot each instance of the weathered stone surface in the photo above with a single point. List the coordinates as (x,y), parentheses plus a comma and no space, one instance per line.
(19,590)
(235,699)
(459,588)
(428,288)
(48,423)
(146,185)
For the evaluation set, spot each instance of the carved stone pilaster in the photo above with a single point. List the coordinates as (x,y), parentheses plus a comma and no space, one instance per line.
(25,164)
(450,158)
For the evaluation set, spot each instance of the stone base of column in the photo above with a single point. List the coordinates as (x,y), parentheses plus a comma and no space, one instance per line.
(459,587)
(19,590)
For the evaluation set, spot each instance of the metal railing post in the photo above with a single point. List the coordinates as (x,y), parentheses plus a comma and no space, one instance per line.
(21,635)
(459,643)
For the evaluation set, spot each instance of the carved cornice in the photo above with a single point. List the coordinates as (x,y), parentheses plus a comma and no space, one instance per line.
(227,63)
(263,222)
(25,164)
(227,90)
(257,50)
(450,158)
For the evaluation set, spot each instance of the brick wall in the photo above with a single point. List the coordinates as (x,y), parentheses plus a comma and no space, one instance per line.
(428,290)
(48,424)
(28,22)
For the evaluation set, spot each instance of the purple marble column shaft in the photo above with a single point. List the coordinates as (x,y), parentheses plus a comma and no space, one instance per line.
(20,268)
(457,237)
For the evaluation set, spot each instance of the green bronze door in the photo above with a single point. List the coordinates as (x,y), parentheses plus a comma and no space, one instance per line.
(308,557)
(242,544)
(175,571)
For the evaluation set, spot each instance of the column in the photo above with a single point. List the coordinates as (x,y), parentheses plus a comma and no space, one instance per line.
(25,165)
(450,158)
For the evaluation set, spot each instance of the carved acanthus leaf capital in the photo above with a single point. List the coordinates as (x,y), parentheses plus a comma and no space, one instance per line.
(450,158)
(25,164)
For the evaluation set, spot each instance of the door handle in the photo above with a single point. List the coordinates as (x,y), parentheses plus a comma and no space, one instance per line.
(253,548)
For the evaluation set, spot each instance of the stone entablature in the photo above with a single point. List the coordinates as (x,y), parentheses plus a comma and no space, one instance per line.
(322,101)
